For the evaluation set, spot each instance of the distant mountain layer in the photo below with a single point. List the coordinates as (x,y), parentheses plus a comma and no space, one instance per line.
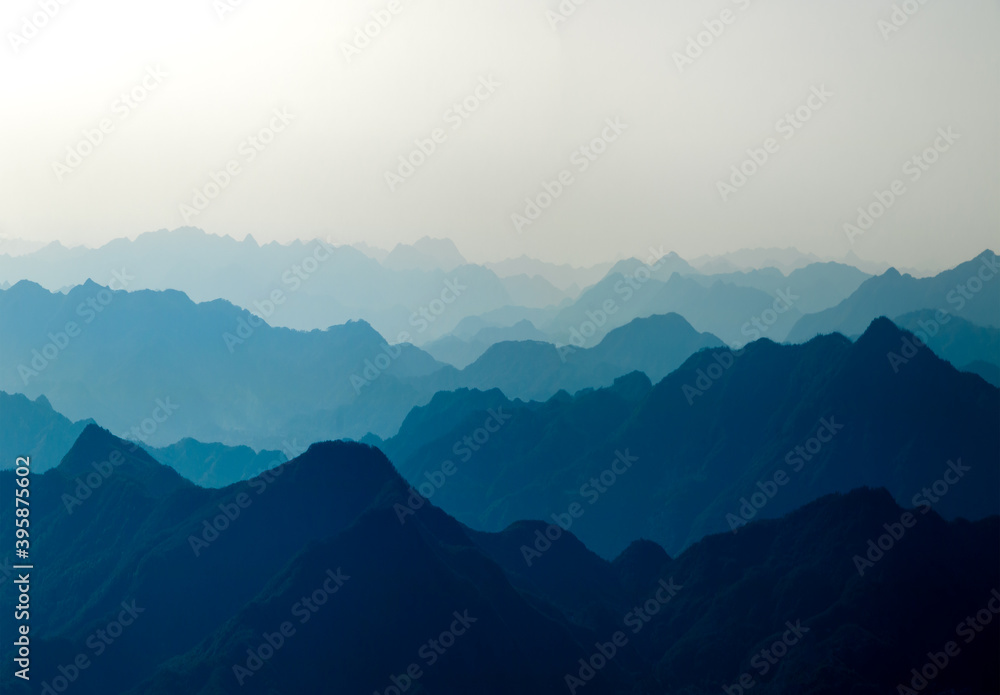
(723,439)
(426,254)
(157,367)
(427,288)
(951,337)
(217,465)
(734,313)
(312,576)
(786,260)
(215,373)
(566,277)
(533,370)
(460,352)
(969,291)
(817,286)
(34,429)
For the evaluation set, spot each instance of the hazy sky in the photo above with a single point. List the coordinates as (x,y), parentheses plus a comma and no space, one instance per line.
(208,83)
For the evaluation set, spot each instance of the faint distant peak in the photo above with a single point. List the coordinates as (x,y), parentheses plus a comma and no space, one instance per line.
(426,254)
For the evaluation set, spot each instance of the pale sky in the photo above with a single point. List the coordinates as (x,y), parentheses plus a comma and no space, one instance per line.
(213,82)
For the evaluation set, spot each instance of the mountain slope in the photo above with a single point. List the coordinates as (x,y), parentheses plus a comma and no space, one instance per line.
(533,370)
(157,363)
(725,310)
(159,368)
(33,428)
(819,286)
(967,291)
(216,465)
(959,341)
(318,582)
(318,283)
(823,417)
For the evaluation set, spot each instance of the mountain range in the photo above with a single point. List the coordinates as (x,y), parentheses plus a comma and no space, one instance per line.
(426,288)
(966,291)
(215,373)
(725,438)
(334,587)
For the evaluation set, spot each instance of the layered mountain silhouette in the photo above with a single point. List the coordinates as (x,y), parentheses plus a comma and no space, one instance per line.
(426,254)
(209,371)
(461,351)
(413,287)
(969,347)
(786,260)
(217,465)
(968,291)
(216,373)
(533,370)
(818,286)
(723,309)
(320,283)
(314,577)
(564,276)
(32,428)
(725,438)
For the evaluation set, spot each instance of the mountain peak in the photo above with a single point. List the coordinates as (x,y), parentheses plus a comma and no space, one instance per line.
(98,452)
(96,436)
(632,386)
(882,327)
(336,464)
(27,286)
(426,254)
